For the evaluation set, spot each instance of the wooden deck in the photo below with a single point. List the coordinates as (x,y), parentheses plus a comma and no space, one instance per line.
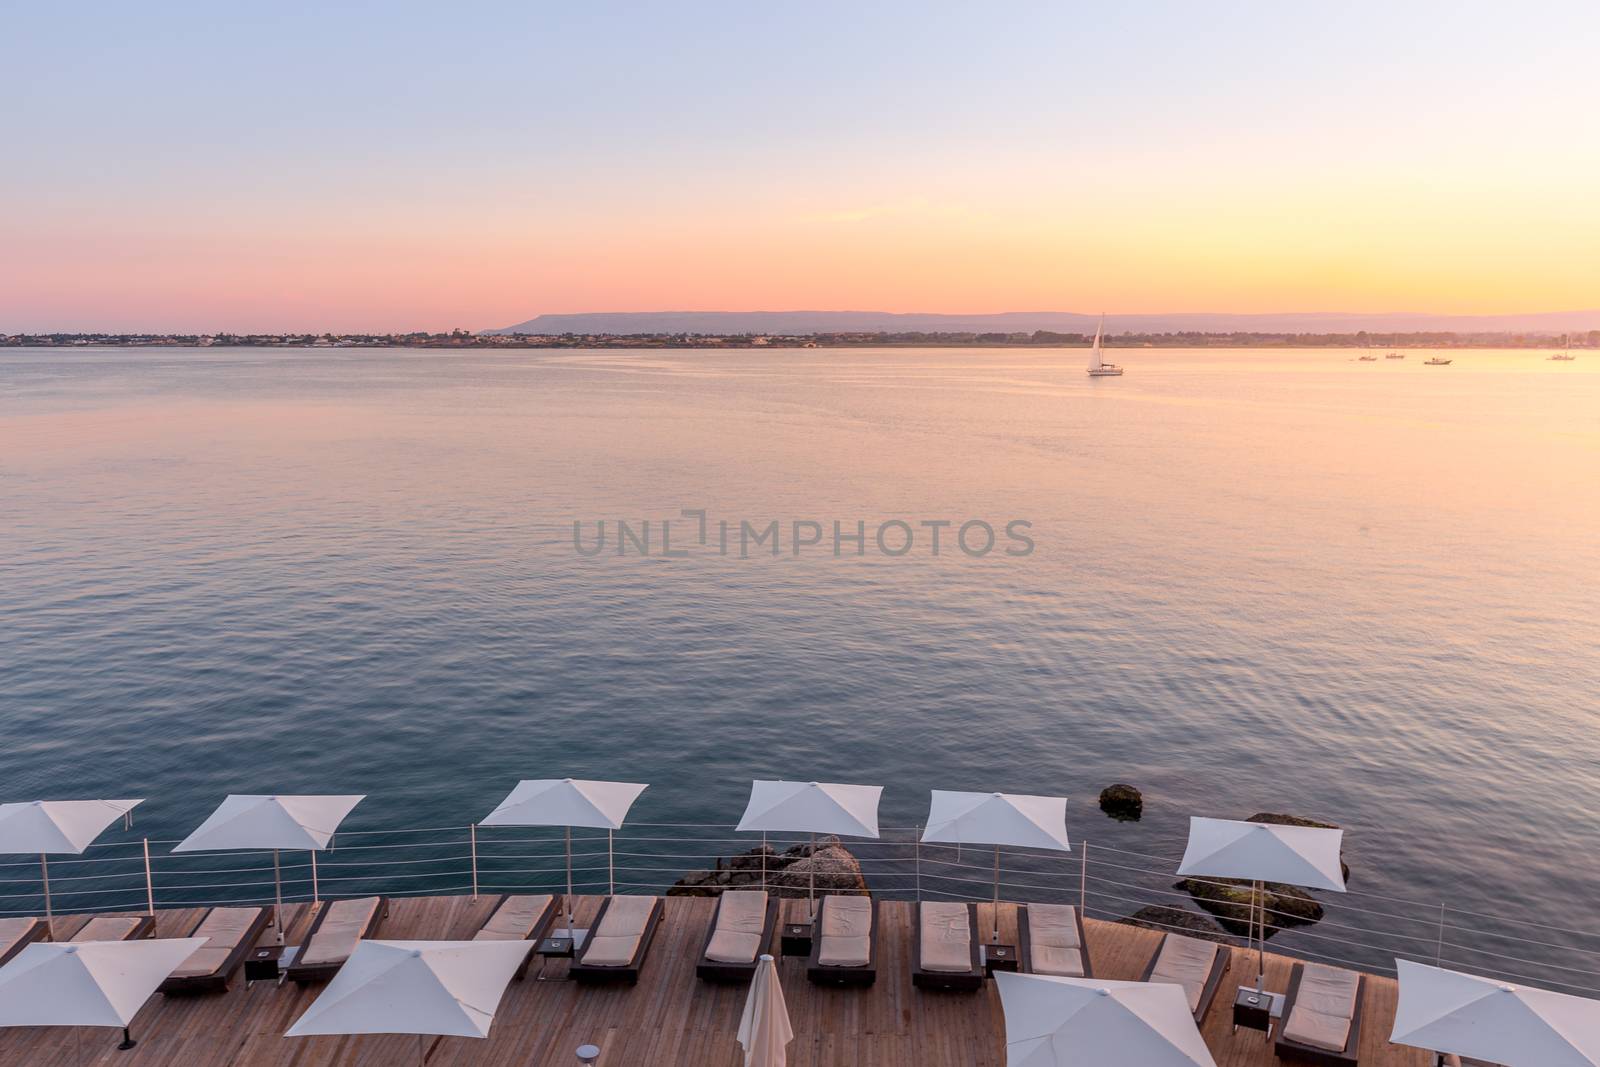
(668,1018)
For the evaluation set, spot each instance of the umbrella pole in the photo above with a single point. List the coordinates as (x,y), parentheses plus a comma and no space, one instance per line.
(611,863)
(811,888)
(1261,956)
(997,894)
(149,886)
(277,896)
(763,861)
(570,932)
(44,875)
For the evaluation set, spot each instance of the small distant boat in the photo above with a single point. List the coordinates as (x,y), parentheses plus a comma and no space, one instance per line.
(1098,367)
(1369,359)
(1437,362)
(1395,355)
(1565,355)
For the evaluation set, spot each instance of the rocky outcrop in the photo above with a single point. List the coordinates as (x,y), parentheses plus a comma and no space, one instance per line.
(1176,919)
(789,873)
(1122,802)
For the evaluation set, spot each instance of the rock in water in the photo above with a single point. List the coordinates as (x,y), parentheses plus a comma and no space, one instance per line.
(788,874)
(1167,919)
(1230,899)
(1122,801)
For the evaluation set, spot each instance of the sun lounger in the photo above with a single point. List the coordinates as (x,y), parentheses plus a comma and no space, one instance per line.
(616,946)
(844,942)
(741,929)
(333,936)
(1322,1016)
(1052,941)
(520,918)
(18,934)
(230,934)
(116,928)
(944,947)
(1450,1059)
(1196,965)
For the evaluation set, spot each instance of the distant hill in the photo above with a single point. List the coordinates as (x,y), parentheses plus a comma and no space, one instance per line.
(807,322)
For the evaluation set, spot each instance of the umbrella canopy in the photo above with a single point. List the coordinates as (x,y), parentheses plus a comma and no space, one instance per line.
(87,983)
(1297,855)
(415,987)
(277,822)
(1447,1011)
(1088,1022)
(566,802)
(998,819)
(764,1029)
(812,807)
(68,826)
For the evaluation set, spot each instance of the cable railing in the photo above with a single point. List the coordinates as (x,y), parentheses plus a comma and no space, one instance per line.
(1355,929)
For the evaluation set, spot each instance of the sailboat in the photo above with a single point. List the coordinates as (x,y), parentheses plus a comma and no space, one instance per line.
(1437,361)
(1098,367)
(1565,355)
(1395,355)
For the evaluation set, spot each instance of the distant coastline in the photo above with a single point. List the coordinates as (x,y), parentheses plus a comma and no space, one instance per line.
(462,339)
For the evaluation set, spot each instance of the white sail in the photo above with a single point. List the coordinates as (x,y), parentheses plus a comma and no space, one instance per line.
(1095,362)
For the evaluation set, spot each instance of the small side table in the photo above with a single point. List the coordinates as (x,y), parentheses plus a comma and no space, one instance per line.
(263,964)
(1257,1010)
(796,939)
(557,948)
(999,958)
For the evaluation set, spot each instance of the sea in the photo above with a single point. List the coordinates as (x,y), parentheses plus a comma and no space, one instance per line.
(1241,580)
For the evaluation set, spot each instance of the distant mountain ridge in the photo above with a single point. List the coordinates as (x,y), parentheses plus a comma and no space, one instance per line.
(808,322)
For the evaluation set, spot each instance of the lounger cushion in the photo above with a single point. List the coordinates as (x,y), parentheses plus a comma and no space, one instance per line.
(1323,1007)
(946,937)
(13,931)
(846,932)
(1184,961)
(336,938)
(1053,943)
(513,920)
(741,918)
(616,939)
(224,928)
(108,928)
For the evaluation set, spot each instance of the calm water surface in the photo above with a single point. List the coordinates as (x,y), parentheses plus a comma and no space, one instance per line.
(1263,581)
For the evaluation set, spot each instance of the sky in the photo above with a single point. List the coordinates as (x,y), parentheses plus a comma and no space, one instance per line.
(398,166)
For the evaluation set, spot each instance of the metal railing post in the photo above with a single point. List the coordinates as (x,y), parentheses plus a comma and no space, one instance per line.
(149,886)
(916,843)
(473,834)
(1083,883)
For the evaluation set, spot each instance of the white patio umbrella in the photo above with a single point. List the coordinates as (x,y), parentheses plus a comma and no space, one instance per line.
(449,988)
(1089,1022)
(810,808)
(997,819)
(251,821)
(764,1028)
(1264,852)
(57,826)
(566,802)
(1447,1011)
(88,983)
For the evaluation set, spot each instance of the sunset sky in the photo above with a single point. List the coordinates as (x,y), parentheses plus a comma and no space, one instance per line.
(396,166)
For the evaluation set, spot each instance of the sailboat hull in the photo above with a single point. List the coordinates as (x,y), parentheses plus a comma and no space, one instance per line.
(1106,372)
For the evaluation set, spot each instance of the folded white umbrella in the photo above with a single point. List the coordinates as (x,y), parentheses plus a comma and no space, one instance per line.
(1447,1011)
(998,819)
(251,821)
(57,826)
(1264,852)
(450,988)
(567,802)
(764,1028)
(88,983)
(810,808)
(1089,1022)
